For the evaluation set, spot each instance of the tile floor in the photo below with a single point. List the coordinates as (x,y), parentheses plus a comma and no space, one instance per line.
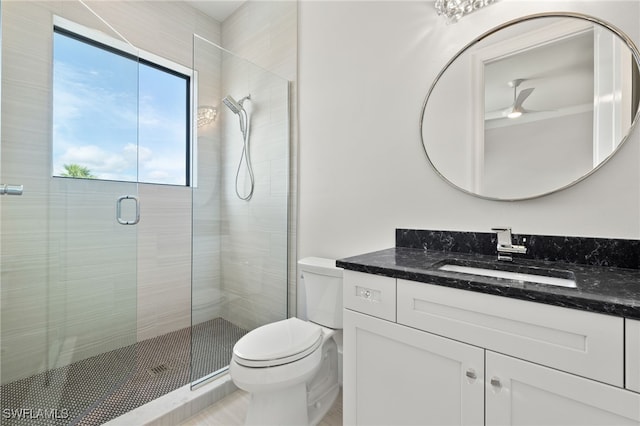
(100,388)
(231,410)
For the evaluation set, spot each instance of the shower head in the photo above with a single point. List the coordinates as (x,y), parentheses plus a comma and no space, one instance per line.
(232,104)
(235,106)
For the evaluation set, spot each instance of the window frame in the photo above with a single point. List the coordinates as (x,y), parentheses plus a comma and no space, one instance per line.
(103,41)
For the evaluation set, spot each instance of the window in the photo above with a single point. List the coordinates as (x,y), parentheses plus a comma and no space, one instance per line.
(117,116)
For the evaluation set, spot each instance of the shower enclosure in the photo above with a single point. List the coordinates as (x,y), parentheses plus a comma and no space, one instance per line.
(239,245)
(100,313)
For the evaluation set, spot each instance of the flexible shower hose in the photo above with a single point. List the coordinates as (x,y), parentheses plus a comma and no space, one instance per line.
(244,128)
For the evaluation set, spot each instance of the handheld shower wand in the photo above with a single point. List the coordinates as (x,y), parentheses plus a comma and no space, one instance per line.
(237,108)
(234,106)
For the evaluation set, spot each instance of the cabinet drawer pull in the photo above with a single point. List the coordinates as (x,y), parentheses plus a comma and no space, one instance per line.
(471,373)
(368,294)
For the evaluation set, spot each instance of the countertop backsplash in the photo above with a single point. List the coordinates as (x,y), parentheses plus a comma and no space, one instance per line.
(619,253)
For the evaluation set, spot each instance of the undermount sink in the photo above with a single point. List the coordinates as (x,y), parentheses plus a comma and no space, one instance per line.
(532,275)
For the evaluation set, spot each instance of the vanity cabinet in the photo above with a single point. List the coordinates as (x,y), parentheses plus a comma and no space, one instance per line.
(452,356)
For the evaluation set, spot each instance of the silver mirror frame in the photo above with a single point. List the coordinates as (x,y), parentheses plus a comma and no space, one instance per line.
(630,44)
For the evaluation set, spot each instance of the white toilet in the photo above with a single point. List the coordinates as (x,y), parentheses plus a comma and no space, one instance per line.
(291,367)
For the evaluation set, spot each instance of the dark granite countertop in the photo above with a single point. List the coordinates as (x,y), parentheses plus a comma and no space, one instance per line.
(601,289)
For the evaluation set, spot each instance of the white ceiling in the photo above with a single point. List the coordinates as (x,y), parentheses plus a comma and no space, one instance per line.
(217,9)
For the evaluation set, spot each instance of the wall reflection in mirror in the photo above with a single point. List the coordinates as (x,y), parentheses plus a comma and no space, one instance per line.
(532,107)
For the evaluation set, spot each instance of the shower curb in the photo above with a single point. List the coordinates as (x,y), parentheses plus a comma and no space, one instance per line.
(177,406)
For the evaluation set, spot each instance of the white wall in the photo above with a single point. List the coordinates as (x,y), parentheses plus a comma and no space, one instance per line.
(364,70)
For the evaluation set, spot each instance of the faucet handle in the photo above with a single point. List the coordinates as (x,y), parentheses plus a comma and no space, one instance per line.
(505,244)
(501,229)
(504,236)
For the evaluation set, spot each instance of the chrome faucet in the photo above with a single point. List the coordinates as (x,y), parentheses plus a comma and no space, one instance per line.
(505,244)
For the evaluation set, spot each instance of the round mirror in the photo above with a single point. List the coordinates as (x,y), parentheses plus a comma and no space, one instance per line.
(532,107)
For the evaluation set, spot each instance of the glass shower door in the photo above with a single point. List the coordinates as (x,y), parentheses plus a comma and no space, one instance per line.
(68,244)
(240,243)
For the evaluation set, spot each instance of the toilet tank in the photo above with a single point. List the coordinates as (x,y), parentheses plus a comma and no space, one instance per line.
(322,282)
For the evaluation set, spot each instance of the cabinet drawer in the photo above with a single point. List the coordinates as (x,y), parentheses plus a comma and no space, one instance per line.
(580,342)
(370,294)
(632,354)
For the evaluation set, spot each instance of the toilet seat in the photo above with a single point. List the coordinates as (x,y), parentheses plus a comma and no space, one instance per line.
(278,343)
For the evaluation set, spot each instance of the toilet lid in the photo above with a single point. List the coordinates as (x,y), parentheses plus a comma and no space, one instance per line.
(278,343)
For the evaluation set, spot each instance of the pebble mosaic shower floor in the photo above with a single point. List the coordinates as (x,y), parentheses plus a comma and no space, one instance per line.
(98,389)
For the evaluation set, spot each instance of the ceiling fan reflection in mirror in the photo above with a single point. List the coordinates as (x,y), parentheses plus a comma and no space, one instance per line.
(516,109)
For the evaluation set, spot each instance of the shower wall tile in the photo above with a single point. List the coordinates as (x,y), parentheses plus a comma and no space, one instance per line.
(209,301)
(207,294)
(266,34)
(164,28)
(164,260)
(92,286)
(257,233)
(293,195)
(71,298)
(24,251)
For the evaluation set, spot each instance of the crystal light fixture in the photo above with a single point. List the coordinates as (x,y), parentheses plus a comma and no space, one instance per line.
(206,115)
(456,9)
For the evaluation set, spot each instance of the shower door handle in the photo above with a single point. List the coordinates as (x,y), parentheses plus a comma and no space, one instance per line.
(121,221)
(10,189)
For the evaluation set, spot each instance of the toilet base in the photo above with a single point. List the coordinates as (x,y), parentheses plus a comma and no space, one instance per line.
(320,408)
(278,398)
(323,389)
(266,408)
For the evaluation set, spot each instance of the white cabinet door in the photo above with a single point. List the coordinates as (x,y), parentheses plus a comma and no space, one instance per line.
(396,375)
(522,393)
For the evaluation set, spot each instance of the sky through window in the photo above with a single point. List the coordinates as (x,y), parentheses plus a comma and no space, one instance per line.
(120,118)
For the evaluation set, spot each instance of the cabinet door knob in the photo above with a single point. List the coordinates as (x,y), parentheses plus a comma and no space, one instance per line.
(495,382)
(471,373)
